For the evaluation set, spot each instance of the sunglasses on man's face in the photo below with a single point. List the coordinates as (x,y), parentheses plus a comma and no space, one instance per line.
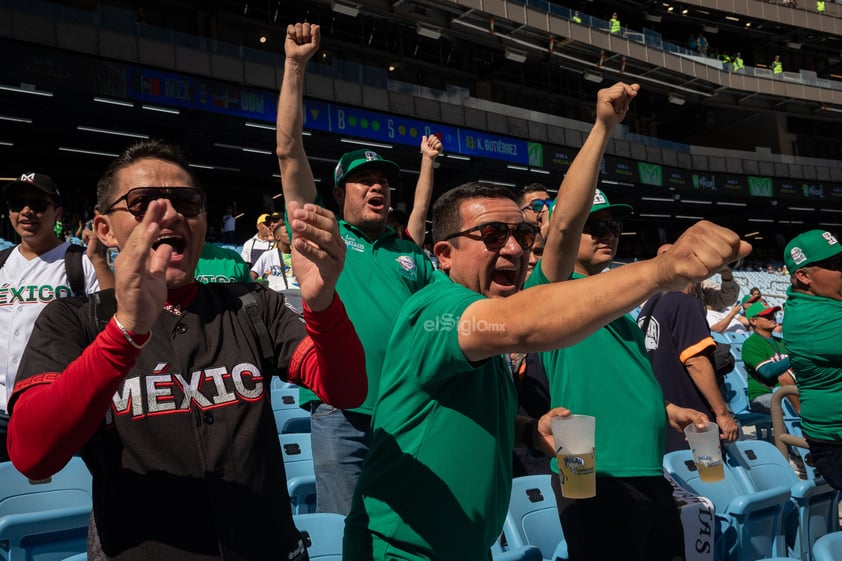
(831,264)
(188,201)
(599,228)
(538,205)
(495,234)
(35,204)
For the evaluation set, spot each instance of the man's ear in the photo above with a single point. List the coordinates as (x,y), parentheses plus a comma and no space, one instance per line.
(104,231)
(442,251)
(803,278)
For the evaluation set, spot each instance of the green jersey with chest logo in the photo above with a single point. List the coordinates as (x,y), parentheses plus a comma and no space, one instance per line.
(378,277)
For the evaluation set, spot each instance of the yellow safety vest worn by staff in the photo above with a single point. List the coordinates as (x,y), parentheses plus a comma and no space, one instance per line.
(777,67)
(615,25)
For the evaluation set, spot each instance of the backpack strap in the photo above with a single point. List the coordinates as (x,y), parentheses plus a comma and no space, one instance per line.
(4,255)
(101,306)
(73,269)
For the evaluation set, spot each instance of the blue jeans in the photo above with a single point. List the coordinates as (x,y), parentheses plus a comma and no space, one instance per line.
(340,441)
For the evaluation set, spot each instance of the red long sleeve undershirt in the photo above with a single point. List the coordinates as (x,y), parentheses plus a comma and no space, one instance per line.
(59,412)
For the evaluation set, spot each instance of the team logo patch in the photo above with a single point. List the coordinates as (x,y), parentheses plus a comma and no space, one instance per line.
(797,255)
(28,177)
(828,237)
(406,262)
(337,173)
(369,155)
(599,198)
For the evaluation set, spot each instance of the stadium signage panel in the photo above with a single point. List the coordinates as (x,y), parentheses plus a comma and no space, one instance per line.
(617,169)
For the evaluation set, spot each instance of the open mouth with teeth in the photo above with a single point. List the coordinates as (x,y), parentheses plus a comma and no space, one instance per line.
(504,277)
(178,244)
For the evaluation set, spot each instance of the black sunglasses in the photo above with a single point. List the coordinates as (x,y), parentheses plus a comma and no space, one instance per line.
(599,228)
(189,201)
(538,205)
(831,264)
(35,204)
(495,234)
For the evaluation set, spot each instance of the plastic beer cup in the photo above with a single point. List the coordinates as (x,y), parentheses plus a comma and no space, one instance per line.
(706,451)
(574,445)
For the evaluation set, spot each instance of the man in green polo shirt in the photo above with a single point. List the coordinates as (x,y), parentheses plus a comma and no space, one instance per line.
(812,323)
(437,479)
(609,376)
(765,358)
(381,271)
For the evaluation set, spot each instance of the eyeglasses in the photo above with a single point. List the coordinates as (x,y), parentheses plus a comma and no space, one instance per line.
(495,234)
(189,201)
(35,204)
(538,205)
(831,264)
(599,228)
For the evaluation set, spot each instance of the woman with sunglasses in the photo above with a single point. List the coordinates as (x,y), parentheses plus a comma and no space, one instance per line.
(35,272)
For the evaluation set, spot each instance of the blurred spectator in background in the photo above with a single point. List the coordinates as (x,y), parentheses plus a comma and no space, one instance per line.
(229,224)
(260,242)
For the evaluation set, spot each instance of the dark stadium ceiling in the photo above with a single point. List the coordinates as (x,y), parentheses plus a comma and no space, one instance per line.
(384,33)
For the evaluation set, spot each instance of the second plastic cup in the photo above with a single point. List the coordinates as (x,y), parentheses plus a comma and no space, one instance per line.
(706,451)
(574,446)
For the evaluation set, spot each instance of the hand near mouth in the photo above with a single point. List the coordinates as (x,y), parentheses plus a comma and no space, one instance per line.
(140,272)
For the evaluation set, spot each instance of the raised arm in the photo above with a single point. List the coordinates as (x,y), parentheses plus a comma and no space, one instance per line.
(302,41)
(431,147)
(557,315)
(575,195)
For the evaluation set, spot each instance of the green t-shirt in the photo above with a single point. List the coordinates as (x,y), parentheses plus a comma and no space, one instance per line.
(811,334)
(756,351)
(378,277)
(609,376)
(220,264)
(437,480)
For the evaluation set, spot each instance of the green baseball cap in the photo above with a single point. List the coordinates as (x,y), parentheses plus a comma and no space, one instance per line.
(809,248)
(760,309)
(600,202)
(359,159)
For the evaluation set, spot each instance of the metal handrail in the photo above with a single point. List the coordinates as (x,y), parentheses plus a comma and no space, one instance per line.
(782,438)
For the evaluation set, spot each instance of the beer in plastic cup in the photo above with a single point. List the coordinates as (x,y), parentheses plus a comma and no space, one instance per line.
(706,451)
(574,445)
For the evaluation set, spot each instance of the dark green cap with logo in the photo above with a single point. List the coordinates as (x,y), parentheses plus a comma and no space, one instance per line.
(361,159)
(809,248)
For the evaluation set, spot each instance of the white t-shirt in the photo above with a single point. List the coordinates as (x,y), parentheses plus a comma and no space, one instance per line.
(254,247)
(734,327)
(26,286)
(268,266)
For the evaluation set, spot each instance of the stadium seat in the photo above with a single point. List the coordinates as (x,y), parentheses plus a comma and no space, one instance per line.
(828,547)
(44,520)
(522,553)
(292,420)
(735,392)
(301,479)
(283,397)
(323,534)
(533,516)
(748,525)
(77,557)
(814,507)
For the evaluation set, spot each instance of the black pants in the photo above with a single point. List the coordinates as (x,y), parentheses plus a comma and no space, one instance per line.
(827,459)
(630,518)
(4,431)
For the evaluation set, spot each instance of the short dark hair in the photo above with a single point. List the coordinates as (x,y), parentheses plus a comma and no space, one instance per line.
(527,189)
(145,149)
(447,219)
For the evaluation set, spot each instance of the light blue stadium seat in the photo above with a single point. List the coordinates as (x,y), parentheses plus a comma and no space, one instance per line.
(735,392)
(736,338)
(828,547)
(278,384)
(283,398)
(301,478)
(77,557)
(323,534)
(522,553)
(814,507)
(748,525)
(44,520)
(292,420)
(533,516)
